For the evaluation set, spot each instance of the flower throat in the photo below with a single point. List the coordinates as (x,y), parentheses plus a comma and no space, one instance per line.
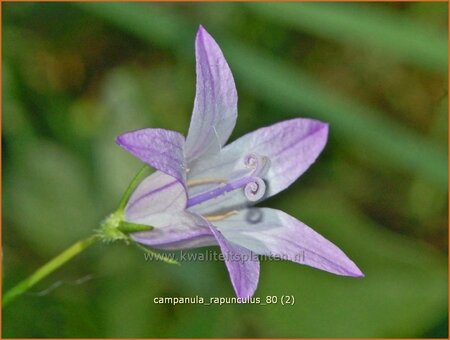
(253,184)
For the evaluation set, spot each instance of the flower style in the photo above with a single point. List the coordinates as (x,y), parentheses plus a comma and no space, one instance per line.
(203,192)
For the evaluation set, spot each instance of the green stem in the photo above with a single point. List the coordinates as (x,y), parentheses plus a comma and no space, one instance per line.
(114,228)
(47,269)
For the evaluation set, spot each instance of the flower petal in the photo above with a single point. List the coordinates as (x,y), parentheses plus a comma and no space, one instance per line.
(242,265)
(274,233)
(158,193)
(159,148)
(290,146)
(215,105)
(175,231)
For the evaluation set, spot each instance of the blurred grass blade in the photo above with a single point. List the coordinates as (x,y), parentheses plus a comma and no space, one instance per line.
(369,130)
(285,86)
(405,288)
(154,24)
(368,25)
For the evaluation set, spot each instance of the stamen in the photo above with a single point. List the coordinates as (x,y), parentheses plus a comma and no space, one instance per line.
(194,182)
(253,184)
(254,189)
(214,218)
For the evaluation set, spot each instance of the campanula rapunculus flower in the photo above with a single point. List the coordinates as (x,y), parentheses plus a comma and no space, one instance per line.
(203,192)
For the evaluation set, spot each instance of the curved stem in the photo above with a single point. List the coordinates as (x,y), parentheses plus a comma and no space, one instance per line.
(47,269)
(78,247)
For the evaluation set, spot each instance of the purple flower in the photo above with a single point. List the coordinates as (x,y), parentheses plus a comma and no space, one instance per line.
(203,192)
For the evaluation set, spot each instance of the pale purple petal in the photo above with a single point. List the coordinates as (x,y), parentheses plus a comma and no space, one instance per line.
(215,106)
(159,148)
(274,233)
(158,193)
(290,147)
(175,231)
(242,265)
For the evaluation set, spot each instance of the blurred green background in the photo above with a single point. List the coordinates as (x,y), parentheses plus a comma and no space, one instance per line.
(75,75)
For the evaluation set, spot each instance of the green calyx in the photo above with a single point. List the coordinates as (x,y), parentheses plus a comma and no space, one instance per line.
(115,228)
